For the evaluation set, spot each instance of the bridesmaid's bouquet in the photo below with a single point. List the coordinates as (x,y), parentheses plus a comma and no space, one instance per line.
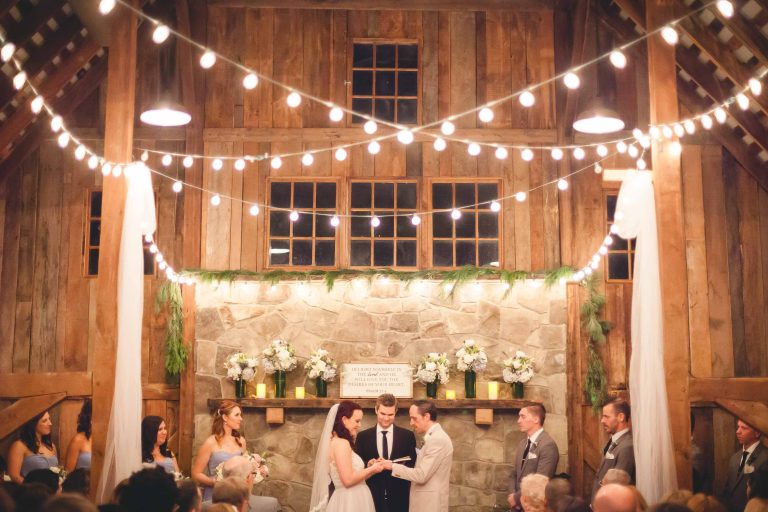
(258,463)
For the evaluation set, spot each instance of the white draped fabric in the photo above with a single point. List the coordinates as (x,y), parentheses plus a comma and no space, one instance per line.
(123,450)
(654,455)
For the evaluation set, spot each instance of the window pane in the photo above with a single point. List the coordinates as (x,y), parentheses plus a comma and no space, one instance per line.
(383,253)
(93,262)
(406,253)
(361,253)
(384,195)
(149,263)
(465,254)
(405,227)
(361,195)
(363,56)
(408,56)
(94,232)
(489,254)
(488,225)
(360,226)
(442,225)
(407,111)
(302,195)
(385,109)
(385,56)
(442,254)
(618,266)
(281,194)
(610,206)
(465,225)
(278,252)
(302,253)
(385,83)
(323,226)
(408,83)
(96,203)
(279,224)
(442,195)
(326,195)
(325,253)
(619,244)
(486,192)
(406,196)
(362,105)
(465,194)
(387,226)
(303,226)
(362,83)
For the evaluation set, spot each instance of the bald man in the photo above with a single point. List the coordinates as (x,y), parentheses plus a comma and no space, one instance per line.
(614,498)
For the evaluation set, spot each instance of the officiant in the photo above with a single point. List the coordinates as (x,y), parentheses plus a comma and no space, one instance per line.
(388,441)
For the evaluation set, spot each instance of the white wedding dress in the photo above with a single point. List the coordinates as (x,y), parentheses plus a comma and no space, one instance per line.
(350,499)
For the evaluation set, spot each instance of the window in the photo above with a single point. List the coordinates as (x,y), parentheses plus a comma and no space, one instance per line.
(310,241)
(621,253)
(385,81)
(473,239)
(393,242)
(93,238)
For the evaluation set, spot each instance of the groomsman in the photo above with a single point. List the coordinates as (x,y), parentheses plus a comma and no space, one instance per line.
(619,452)
(537,453)
(387,441)
(753,456)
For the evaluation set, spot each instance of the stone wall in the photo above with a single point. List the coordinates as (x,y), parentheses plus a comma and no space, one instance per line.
(386,322)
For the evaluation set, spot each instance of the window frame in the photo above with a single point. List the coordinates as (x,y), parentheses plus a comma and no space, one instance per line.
(613,190)
(375,41)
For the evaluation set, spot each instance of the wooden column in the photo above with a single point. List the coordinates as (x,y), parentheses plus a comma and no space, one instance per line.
(118,140)
(662,77)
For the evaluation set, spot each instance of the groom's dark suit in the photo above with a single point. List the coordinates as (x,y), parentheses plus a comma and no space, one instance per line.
(390,494)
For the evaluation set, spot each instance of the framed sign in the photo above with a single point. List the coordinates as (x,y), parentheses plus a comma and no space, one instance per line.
(369,380)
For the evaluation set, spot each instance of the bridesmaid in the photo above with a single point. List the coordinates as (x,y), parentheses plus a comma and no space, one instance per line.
(79,450)
(154,444)
(224,443)
(34,449)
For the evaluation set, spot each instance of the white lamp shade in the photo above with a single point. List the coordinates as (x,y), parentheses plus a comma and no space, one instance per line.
(598,119)
(166,113)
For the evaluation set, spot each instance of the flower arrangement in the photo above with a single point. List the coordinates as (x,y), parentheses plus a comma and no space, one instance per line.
(471,357)
(433,367)
(279,356)
(518,368)
(321,366)
(259,468)
(241,367)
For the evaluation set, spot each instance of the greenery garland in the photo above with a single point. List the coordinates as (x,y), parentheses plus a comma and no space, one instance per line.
(176,352)
(595,382)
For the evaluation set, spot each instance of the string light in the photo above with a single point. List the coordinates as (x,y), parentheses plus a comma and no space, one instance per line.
(19,80)
(485,115)
(293,100)
(375,222)
(689,127)
(307,159)
(618,59)
(239,164)
(374,147)
(579,154)
(276,162)
(341,154)
(572,80)
(217,164)
(679,130)
(253,210)
(160,34)
(250,81)
(455,214)
(106,6)
(527,99)
(448,128)
(6,53)
(720,115)
(36,105)
(602,151)
(501,153)
(370,127)
(495,206)
(56,123)
(521,196)
(755,86)
(207,60)
(177,186)
(293,216)
(562,184)
(336,114)
(632,151)
(415,220)
(670,35)
(117,171)
(405,136)
(439,144)
(706,122)
(145,156)
(725,7)
(63,139)
(473,148)
(335,221)
(188,162)
(167,160)
(106,169)
(598,168)
(557,154)
(526,154)
(621,147)
(93,162)
(666,132)
(742,101)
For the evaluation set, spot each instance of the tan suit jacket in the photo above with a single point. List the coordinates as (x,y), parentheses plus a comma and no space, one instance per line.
(430,478)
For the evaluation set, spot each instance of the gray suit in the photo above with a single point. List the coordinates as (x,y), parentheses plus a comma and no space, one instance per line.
(619,456)
(734,494)
(543,457)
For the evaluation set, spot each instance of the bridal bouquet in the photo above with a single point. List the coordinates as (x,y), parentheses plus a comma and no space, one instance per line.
(321,366)
(241,367)
(433,368)
(471,357)
(518,368)
(259,468)
(279,357)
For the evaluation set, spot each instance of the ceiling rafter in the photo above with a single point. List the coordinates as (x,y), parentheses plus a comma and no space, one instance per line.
(747,33)
(34,18)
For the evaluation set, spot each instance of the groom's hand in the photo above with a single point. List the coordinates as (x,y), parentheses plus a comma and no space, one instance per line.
(387,465)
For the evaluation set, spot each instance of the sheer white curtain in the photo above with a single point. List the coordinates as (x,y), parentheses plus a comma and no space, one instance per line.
(123,451)
(654,455)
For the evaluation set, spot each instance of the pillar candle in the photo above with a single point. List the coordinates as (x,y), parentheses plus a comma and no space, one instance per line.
(261,390)
(450,394)
(300,392)
(493,391)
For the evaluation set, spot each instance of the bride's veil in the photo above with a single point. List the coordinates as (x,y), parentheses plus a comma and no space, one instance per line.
(322,478)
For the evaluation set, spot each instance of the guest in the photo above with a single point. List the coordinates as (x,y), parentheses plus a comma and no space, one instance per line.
(756,505)
(44,476)
(619,451)
(757,484)
(572,504)
(79,450)
(679,496)
(69,503)
(700,502)
(242,468)
(224,443)
(154,444)
(752,457)
(78,482)
(615,498)
(34,449)
(533,493)
(31,497)
(557,489)
(616,476)
(669,507)
(149,490)
(6,502)
(537,453)
(642,505)
(188,498)
(232,491)
(389,442)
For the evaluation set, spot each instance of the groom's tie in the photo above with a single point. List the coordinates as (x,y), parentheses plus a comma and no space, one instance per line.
(384,444)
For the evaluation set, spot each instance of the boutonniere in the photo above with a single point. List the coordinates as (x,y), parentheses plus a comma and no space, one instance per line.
(609,455)
(532,455)
(748,469)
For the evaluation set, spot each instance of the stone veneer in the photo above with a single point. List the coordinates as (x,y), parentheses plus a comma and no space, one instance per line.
(385,322)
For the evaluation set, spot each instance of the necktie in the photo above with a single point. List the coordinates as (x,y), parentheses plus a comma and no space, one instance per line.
(608,446)
(384,444)
(744,456)
(527,449)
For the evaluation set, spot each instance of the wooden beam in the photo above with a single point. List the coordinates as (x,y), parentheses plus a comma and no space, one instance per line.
(731,388)
(751,412)
(6,5)
(33,19)
(21,385)
(389,5)
(633,10)
(118,135)
(747,32)
(160,392)
(140,132)
(667,177)
(21,411)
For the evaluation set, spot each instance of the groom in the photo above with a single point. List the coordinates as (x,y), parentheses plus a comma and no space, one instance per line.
(430,477)
(390,442)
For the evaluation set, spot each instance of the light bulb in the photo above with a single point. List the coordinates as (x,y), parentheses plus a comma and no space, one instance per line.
(19,80)
(188,161)
(502,153)
(370,127)
(106,169)
(706,121)
(455,214)
(720,115)
(755,86)
(579,154)
(63,139)
(598,169)
(375,222)
(526,154)
(618,59)
(6,53)
(374,147)
(415,220)
(448,128)
(36,105)
(217,164)
(216,200)
(144,155)
(473,149)
(254,210)
(336,114)
(521,196)
(106,6)
(637,133)
(485,115)
(670,35)
(603,250)
(679,130)
(667,132)
(439,144)
(341,154)
(608,240)
(56,123)
(308,159)
(527,99)
(632,151)
(641,165)
(725,7)
(80,152)
(495,206)
(621,146)
(562,184)
(689,126)
(276,162)
(645,142)
(177,186)
(293,100)
(207,60)
(335,221)
(250,81)
(239,164)
(654,132)
(742,101)
(166,160)
(572,80)
(602,151)
(160,34)
(294,216)
(93,162)
(117,171)
(675,147)
(557,154)
(405,136)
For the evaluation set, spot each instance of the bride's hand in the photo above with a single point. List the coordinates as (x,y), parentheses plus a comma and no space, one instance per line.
(378,466)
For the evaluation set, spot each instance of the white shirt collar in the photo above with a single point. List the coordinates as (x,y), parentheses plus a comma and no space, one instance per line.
(379,430)
(615,437)
(535,436)
(751,448)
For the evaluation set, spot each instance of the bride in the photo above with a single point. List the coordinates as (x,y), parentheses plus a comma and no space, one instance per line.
(338,463)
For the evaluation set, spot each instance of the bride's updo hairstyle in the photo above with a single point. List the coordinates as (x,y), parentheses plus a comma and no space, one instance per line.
(346,409)
(217,429)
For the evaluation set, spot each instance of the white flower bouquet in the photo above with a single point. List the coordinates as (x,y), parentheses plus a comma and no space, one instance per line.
(321,366)
(279,356)
(433,367)
(240,366)
(518,368)
(471,357)
(259,468)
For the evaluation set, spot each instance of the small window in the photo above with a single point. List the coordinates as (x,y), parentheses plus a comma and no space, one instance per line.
(385,81)
(621,253)
(472,239)
(393,242)
(310,240)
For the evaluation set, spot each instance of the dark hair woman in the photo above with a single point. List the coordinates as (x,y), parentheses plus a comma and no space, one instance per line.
(79,449)
(154,444)
(34,449)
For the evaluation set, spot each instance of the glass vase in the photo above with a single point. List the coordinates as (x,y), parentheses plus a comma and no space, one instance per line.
(280,384)
(241,388)
(432,389)
(470,384)
(517,390)
(322,388)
